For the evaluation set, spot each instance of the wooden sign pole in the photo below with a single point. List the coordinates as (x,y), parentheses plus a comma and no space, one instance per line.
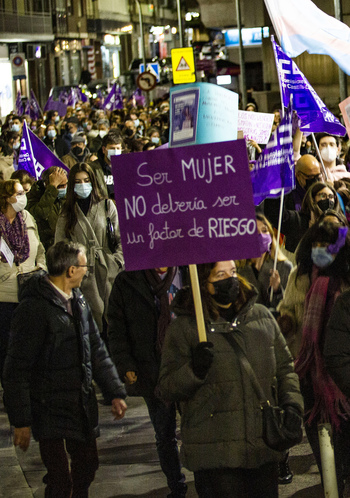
(202,334)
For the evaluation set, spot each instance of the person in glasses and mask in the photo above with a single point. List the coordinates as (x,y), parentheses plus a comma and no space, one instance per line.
(84,219)
(21,252)
(45,201)
(221,419)
(259,271)
(307,172)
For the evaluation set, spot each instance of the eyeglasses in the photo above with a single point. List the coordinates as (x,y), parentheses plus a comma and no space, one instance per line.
(323,196)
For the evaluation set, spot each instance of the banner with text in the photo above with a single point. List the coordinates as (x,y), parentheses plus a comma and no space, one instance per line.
(202,113)
(185,205)
(256,126)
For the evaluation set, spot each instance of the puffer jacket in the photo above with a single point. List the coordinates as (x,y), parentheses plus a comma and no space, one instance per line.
(221,422)
(51,362)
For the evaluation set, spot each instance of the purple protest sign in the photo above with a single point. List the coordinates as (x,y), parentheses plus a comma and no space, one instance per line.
(185,205)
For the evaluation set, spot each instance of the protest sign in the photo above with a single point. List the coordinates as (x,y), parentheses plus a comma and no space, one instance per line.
(314,115)
(345,110)
(274,169)
(202,113)
(185,205)
(255,125)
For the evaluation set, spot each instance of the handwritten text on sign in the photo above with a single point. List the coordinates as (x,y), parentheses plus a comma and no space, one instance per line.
(185,205)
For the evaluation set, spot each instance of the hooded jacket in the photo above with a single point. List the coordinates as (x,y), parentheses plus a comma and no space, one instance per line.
(221,421)
(52,358)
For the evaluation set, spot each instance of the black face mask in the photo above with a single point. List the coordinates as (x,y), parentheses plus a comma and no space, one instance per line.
(226,291)
(129,132)
(77,151)
(325,204)
(309,182)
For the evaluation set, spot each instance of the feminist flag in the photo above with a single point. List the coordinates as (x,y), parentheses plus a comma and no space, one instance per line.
(19,105)
(302,26)
(274,169)
(314,115)
(114,99)
(34,156)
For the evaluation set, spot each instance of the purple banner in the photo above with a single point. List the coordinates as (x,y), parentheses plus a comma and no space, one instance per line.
(314,115)
(274,168)
(185,205)
(34,156)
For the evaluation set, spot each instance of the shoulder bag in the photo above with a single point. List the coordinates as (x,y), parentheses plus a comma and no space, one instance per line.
(275,435)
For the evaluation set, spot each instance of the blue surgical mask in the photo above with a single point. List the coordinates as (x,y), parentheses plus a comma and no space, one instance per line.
(16,145)
(155,140)
(136,122)
(62,193)
(321,257)
(15,127)
(51,133)
(83,190)
(57,118)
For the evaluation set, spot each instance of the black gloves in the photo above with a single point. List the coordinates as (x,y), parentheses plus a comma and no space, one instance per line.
(202,359)
(292,418)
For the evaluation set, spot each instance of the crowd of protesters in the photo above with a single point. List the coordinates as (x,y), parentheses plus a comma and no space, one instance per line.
(69,211)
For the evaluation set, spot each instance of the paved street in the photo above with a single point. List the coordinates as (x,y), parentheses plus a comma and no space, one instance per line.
(128,462)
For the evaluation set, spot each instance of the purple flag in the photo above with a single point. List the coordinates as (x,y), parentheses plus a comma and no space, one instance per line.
(19,105)
(34,156)
(110,101)
(35,111)
(51,104)
(274,168)
(27,107)
(82,96)
(72,98)
(314,115)
(138,98)
(185,205)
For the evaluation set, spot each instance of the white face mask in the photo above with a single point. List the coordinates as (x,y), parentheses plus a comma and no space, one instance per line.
(20,204)
(103,133)
(113,152)
(329,154)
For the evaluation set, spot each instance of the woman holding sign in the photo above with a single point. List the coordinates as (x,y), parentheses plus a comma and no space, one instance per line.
(221,423)
(20,252)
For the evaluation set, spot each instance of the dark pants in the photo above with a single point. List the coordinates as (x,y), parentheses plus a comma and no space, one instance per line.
(6,312)
(238,483)
(62,481)
(163,418)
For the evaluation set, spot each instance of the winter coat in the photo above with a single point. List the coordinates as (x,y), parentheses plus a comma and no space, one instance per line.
(51,362)
(132,331)
(45,206)
(262,281)
(36,259)
(57,145)
(91,231)
(337,343)
(221,419)
(6,167)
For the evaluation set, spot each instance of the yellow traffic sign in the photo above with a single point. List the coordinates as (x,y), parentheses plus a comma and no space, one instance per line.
(182,60)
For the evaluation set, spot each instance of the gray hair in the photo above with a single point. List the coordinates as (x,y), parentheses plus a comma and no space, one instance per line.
(61,256)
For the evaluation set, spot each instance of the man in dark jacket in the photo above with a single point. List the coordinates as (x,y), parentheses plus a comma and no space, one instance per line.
(138,315)
(54,353)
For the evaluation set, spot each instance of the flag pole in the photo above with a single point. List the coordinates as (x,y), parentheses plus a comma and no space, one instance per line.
(202,334)
(31,148)
(319,156)
(282,193)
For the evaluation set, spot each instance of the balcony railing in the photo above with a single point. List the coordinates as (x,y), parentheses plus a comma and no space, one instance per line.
(31,23)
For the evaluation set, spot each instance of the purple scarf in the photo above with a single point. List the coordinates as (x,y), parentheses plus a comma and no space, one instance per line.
(16,237)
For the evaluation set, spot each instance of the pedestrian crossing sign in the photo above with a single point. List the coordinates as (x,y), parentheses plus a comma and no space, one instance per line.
(182,60)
